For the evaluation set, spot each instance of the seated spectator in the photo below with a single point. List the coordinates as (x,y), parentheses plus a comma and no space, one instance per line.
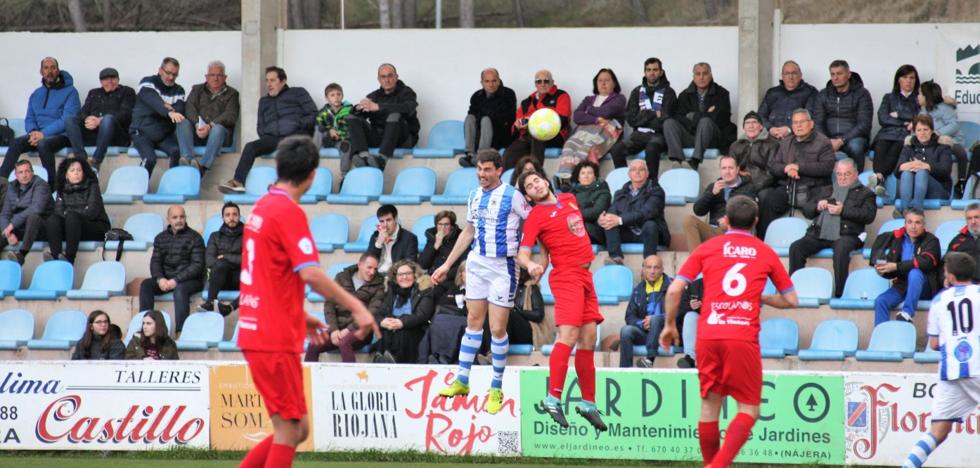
(98,342)
(386,118)
(390,243)
(223,259)
(153,341)
(649,106)
(363,281)
(212,113)
(404,317)
(526,164)
(895,115)
(441,342)
(712,203)
(947,125)
(968,239)
(843,112)
(802,165)
(644,314)
(840,213)
(78,210)
(593,197)
(103,120)
(636,214)
(776,108)
(909,257)
(924,168)
(599,120)
(25,206)
(490,117)
(546,94)
(283,112)
(703,118)
(689,312)
(753,154)
(177,265)
(439,241)
(333,125)
(3,191)
(160,106)
(528,308)
(49,107)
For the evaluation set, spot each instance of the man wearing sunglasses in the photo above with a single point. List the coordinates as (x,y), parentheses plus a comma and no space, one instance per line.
(546,94)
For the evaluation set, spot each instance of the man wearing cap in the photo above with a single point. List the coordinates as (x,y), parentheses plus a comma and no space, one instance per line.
(103,119)
(753,152)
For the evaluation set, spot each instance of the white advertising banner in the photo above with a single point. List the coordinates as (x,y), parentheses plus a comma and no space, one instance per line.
(373,407)
(958,69)
(77,405)
(887,413)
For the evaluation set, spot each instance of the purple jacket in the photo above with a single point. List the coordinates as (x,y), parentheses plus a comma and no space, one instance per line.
(614,107)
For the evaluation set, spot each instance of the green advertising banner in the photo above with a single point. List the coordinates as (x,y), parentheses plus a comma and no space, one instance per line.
(654,416)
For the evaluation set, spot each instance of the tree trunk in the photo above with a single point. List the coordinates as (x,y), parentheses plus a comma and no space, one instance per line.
(396,14)
(519,13)
(466,17)
(105,6)
(639,11)
(77,18)
(409,13)
(384,14)
(710,9)
(295,15)
(311,12)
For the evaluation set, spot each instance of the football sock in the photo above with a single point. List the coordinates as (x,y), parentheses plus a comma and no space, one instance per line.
(585,369)
(710,440)
(735,436)
(498,357)
(920,451)
(558,369)
(255,458)
(468,348)
(280,456)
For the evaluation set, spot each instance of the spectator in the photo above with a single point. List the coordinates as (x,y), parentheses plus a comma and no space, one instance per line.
(332,123)
(909,257)
(636,214)
(386,118)
(968,239)
(49,107)
(593,197)
(895,115)
(27,204)
(103,120)
(690,308)
(925,166)
(840,213)
(546,94)
(946,124)
(363,281)
(98,342)
(223,259)
(599,120)
(712,203)
(526,164)
(703,118)
(177,265)
(439,241)
(644,314)
(843,112)
(490,118)
(803,164)
(153,341)
(776,108)
(390,243)
(753,154)
(3,191)
(78,210)
(441,342)
(283,112)
(404,316)
(212,111)
(160,106)
(650,105)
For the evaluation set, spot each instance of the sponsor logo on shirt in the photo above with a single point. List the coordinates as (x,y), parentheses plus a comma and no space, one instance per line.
(576,225)
(254,222)
(306,245)
(738,251)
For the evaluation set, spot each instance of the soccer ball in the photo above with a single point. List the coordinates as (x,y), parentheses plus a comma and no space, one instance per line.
(544,124)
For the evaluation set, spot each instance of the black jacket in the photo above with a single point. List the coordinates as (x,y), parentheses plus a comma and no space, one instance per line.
(648,204)
(225,241)
(422,305)
(149,113)
(713,205)
(965,242)
(403,101)
(814,155)
(893,128)
(690,110)
(592,199)
(776,108)
(431,258)
(84,198)
(500,107)
(938,156)
(178,256)
(21,202)
(115,351)
(888,246)
(846,116)
(119,103)
(290,112)
(753,156)
(405,247)
(859,210)
(640,118)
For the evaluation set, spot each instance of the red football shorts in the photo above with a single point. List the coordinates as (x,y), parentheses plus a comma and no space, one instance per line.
(575,298)
(279,379)
(730,367)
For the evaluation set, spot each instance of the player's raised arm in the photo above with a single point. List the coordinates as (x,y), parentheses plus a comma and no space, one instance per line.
(326,287)
(462,242)
(669,336)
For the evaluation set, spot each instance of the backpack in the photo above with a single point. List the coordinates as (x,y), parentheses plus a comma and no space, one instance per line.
(6,133)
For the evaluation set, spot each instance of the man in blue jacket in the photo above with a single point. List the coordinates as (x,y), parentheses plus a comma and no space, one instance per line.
(26,205)
(55,101)
(159,109)
(636,214)
(644,314)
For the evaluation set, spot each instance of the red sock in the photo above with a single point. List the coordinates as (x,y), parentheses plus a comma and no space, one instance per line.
(280,456)
(255,458)
(710,440)
(735,437)
(558,368)
(585,369)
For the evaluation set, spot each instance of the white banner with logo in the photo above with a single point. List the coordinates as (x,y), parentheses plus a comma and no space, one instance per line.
(107,405)
(958,69)
(886,414)
(397,407)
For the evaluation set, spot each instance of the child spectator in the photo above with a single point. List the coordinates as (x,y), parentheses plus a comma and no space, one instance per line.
(332,122)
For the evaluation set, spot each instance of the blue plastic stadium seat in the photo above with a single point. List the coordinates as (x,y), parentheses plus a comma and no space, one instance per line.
(860,290)
(632,248)
(814,286)
(681,185)
(39,171)
(520,350)
(505,177)
(256,184)
(361,186)
(445,139)
(226,295)
(16,328)
(136,324)
(321,187)
(102,280)
(202,330)
(947,231)
(63,330)
(211,226)
(126,185)
(10,272)
(929,356)
(617,178)
(230,346)
(779,337)
(413,186)
(421,225)
(891,341)
(368,227)
(144,227)
(833,340)
(613,283)
(783,232)
(459,184)
(709,153)
(177,185)
(51,280)
(971,132)
(888,226)
(329,231)
(551,153)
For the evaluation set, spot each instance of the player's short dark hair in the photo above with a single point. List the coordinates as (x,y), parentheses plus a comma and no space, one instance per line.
(961,265)
(230,205)
(489,155)
(333,87)
(296,157)
(742,212)
(524,176)
(387,210)
(280,73)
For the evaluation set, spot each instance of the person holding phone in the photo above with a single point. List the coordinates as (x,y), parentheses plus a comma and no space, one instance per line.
(439,242)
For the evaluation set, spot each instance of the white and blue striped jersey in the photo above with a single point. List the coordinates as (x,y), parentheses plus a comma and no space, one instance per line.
(496,217)
(954,318)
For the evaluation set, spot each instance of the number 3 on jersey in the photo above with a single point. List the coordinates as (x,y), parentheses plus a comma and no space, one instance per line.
(246,275)
(734,282)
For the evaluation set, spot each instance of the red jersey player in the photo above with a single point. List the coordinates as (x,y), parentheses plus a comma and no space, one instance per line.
(735,268)
(556,224)
(278,258)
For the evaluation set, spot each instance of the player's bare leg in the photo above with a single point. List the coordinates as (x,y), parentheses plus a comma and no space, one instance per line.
(279,448)
(928,444)
(737,433)
(476,316)
(499,346)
